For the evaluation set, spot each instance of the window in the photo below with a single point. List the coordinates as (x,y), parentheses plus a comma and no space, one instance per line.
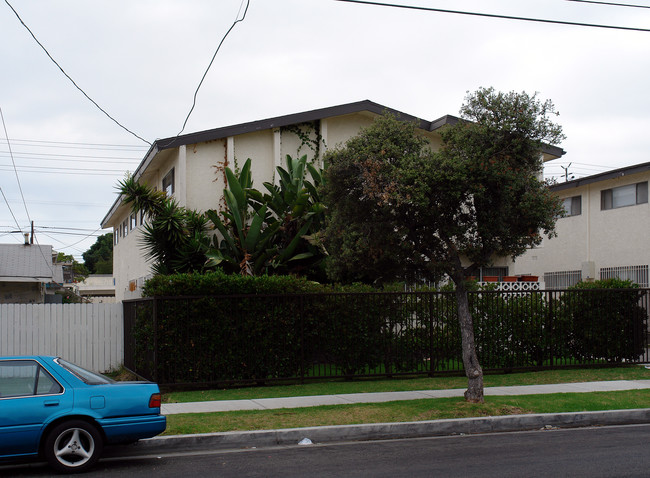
(622,196)
(499,272)
(561,279)
(573,205)
(116,235)
(133,221)
(143,216)
(168,183)
(637,274)
(86,376)
(20,378)
(125,228)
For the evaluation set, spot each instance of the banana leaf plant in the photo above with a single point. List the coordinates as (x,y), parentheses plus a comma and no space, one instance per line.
(245,231)
(296,205)
(269,233)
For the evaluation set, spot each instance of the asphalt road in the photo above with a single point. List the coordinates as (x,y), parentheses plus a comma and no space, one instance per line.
(615,451)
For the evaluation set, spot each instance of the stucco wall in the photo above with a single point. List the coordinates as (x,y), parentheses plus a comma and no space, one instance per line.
(607,238)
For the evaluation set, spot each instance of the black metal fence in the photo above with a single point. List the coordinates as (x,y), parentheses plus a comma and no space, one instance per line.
(260,338)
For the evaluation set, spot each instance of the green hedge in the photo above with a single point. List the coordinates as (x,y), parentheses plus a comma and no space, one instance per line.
(258,328)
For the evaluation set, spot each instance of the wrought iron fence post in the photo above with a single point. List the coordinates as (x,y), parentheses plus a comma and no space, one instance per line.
(155,339)
(301,314)
(432,361)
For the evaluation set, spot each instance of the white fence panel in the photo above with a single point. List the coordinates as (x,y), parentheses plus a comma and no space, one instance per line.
(90,335)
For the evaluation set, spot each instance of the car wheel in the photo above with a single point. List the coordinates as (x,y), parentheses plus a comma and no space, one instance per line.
(73,446)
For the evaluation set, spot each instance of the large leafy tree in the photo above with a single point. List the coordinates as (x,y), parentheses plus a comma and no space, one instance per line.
(98,259)
(399,210)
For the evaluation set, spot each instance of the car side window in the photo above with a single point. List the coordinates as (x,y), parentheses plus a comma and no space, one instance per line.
(46,384)
(22,378)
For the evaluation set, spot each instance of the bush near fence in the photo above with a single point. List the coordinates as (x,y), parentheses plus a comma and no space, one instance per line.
(316,331)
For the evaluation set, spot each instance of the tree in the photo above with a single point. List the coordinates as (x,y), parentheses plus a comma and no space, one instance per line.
(399,211)
(98,259)
(73,270)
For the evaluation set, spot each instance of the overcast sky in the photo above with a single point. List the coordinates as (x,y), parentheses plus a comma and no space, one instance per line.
(141,61)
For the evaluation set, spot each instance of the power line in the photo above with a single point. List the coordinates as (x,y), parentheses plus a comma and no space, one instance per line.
(492,15)
(12,213)
(109,145)
(70,169)
(18,142)
(20,188)
(70,78)
(610,3)
(49,171)
(112,158)
(196,92)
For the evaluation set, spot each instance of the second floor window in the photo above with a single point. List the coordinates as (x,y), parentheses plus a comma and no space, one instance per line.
(573,205)
(168,183)
(622,196)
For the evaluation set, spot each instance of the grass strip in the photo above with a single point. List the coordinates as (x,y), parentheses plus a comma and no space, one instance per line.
(403,411)
(403,384)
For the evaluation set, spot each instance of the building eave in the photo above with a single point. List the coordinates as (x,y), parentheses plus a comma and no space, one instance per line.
(614,174)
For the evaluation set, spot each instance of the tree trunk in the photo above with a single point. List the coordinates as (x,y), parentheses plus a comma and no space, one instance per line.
(473,369)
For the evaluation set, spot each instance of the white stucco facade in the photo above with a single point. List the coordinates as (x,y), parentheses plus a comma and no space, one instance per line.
(603,240)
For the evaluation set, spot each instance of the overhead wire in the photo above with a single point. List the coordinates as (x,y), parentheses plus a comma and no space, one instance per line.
(108,145)
(70,78)
(613,4)
(10,210)
(493,15)
(20,188)
(196,92)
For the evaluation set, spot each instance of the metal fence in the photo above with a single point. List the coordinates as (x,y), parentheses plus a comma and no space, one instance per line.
(261,338)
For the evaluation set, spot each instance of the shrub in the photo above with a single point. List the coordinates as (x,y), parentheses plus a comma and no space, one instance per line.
(604,320)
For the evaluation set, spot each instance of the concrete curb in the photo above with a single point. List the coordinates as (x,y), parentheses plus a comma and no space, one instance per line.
(378,431)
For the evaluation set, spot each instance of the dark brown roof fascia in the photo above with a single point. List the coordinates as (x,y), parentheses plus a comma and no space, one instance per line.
(617,173)
(286,120)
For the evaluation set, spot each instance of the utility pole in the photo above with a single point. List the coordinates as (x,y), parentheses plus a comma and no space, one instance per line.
(31,240)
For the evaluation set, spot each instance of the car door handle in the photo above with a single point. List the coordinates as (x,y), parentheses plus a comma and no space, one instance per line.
(51,403)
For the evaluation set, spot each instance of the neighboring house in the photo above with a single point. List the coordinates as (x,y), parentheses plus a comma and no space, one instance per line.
(191,167)
(605,233)
(97,288)
(28,274)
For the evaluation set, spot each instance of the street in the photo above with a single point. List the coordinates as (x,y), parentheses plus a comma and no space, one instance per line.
(593,452)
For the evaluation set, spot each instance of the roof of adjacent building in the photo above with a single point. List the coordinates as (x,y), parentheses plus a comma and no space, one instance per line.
(26,263)
(616,173)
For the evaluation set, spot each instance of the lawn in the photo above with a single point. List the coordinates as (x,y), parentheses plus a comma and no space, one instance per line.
(337,387)
(403,411)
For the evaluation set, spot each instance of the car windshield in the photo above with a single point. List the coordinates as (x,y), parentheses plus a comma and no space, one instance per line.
(91,378)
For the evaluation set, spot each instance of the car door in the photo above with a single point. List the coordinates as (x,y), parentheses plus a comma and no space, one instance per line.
(29,397)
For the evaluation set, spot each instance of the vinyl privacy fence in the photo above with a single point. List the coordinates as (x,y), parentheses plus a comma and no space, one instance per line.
(90,335)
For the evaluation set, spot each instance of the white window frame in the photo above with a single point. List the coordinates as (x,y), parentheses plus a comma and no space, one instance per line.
(168,183)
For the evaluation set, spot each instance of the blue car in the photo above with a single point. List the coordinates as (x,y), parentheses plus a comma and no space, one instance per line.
(52,409)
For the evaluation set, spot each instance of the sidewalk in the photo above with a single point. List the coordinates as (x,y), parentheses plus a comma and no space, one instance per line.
(352,398)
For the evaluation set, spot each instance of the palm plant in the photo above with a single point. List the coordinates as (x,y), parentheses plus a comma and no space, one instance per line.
(175,239)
